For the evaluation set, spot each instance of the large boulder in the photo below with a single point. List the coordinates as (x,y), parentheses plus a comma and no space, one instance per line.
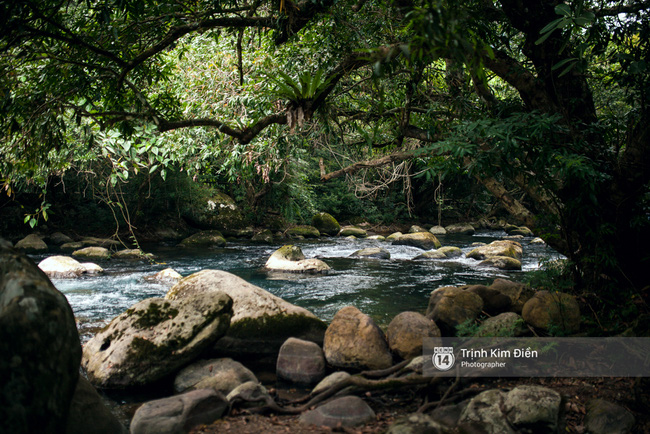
(88,413)
(450,251)
(519,230)
(58,238)
(494,302)
(300,362)
(354,341)
(39,348)
(131,254)
(451,306)
(155,338)
(422,240)
(406,332)
(93,253)
(347,231)
(438,230)
(372,253)
(518,293)
(63,267)
(347,411)
(180,413)
(291,259)
(394,236)
(212,238)
(261,322)
(509,248)
(303,231)
(222,375)
(214,210)
(553,311)
(604,417)
(264,236)
(460,228)
(507,324)
(523,409)
(431,254)
(326,223)
(32,243)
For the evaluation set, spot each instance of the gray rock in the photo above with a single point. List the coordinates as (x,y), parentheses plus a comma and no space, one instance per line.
(250,394)
(223,375)
(347,411)
(39,348)
(64,267)
(329,381)
(93,252)
(450,251)
(214,210)
(291,259)
(211,238)
(100,242)
(460,228)
(300,362)
(71,247)
(604,417)
(88,413)
(372,252)
(178,414)
(32,243)
(486,410)
(353,340)
(326,223)
(265,236)
(438,230)
(406,332)
(507,324)
(422,240)
(58,238)
(346,231)
(417,423)
(155,338)
(261,322)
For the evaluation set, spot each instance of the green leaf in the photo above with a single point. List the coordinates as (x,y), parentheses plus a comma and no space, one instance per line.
(561,63)
(563,9)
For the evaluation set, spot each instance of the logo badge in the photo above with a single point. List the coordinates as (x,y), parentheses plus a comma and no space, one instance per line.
(443,358)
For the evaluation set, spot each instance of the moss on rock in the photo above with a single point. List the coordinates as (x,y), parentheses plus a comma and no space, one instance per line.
(326,223)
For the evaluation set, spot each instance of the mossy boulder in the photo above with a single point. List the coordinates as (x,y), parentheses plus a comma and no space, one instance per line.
(372,253)
(394,236)
(460,228)
(214,210)
(212,238)
(261,322)
(32,243)
(290,258)
(553,311)
(518,293)
(438,230)
(264,236)
(155,338)
(302,231)
(131,254)
(509,248)
(431,254)
(93,252)
(326,223)
(59,238)
(519,230)
(355,231)
(450,251)
(502,263)
(100,242)
(415,229)
(422,240)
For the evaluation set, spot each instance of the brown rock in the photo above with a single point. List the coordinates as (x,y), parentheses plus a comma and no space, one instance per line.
(553,310)
(347,411)
(406,332)
(300,362)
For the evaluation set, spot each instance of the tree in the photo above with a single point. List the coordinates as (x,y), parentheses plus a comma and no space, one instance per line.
(517,94)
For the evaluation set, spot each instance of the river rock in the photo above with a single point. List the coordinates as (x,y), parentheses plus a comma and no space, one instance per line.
(300,362)
(450,251)
(32,243)
(39,348)
(518,293)
(131,254)
(71,247)
(406,332)
(422,240)
(58,238)
(376,237)
(155,338)
(451,306)
(460,228)
(554,311)
(438,230)
(223,375)
(347,411)
(372,252)
(214,210)
(519,230)
(93,252)
(265,236)
(326,223)
(494,302)
(431,254)
(212,238)
(329,381)
(88,413)
(64,267)
(501,262)
(303,231)
(604,417)
(507,324)
(166,275)
(394,236)
(346,231)
(353,340)
(250,394)
(290,258)
(261,322)
(523,409)
(511,249)
(417,423)
(100,242)
(178,414)
(415,229)
(537,240)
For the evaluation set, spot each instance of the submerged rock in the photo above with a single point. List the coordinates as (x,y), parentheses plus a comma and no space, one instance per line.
(326,223)
(211,238)
(32,243)
(261,322)
(222,375)
(371,252)
(422,240)
(347,411)
(354,341)
(155,338)
(180,413)
(39,348)
(290,258)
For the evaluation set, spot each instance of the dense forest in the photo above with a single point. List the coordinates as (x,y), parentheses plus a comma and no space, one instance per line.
(388,110)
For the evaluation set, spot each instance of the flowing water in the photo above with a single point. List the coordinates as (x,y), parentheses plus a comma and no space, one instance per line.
(380,288)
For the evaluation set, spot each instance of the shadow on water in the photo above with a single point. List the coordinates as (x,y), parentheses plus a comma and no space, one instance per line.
(380,288)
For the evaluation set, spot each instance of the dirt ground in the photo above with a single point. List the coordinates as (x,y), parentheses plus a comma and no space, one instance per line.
(632,394)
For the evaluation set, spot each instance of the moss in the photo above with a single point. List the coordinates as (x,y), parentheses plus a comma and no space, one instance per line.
(155,314)
(278,326)
(304,231)
(290,253)
(326,223)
